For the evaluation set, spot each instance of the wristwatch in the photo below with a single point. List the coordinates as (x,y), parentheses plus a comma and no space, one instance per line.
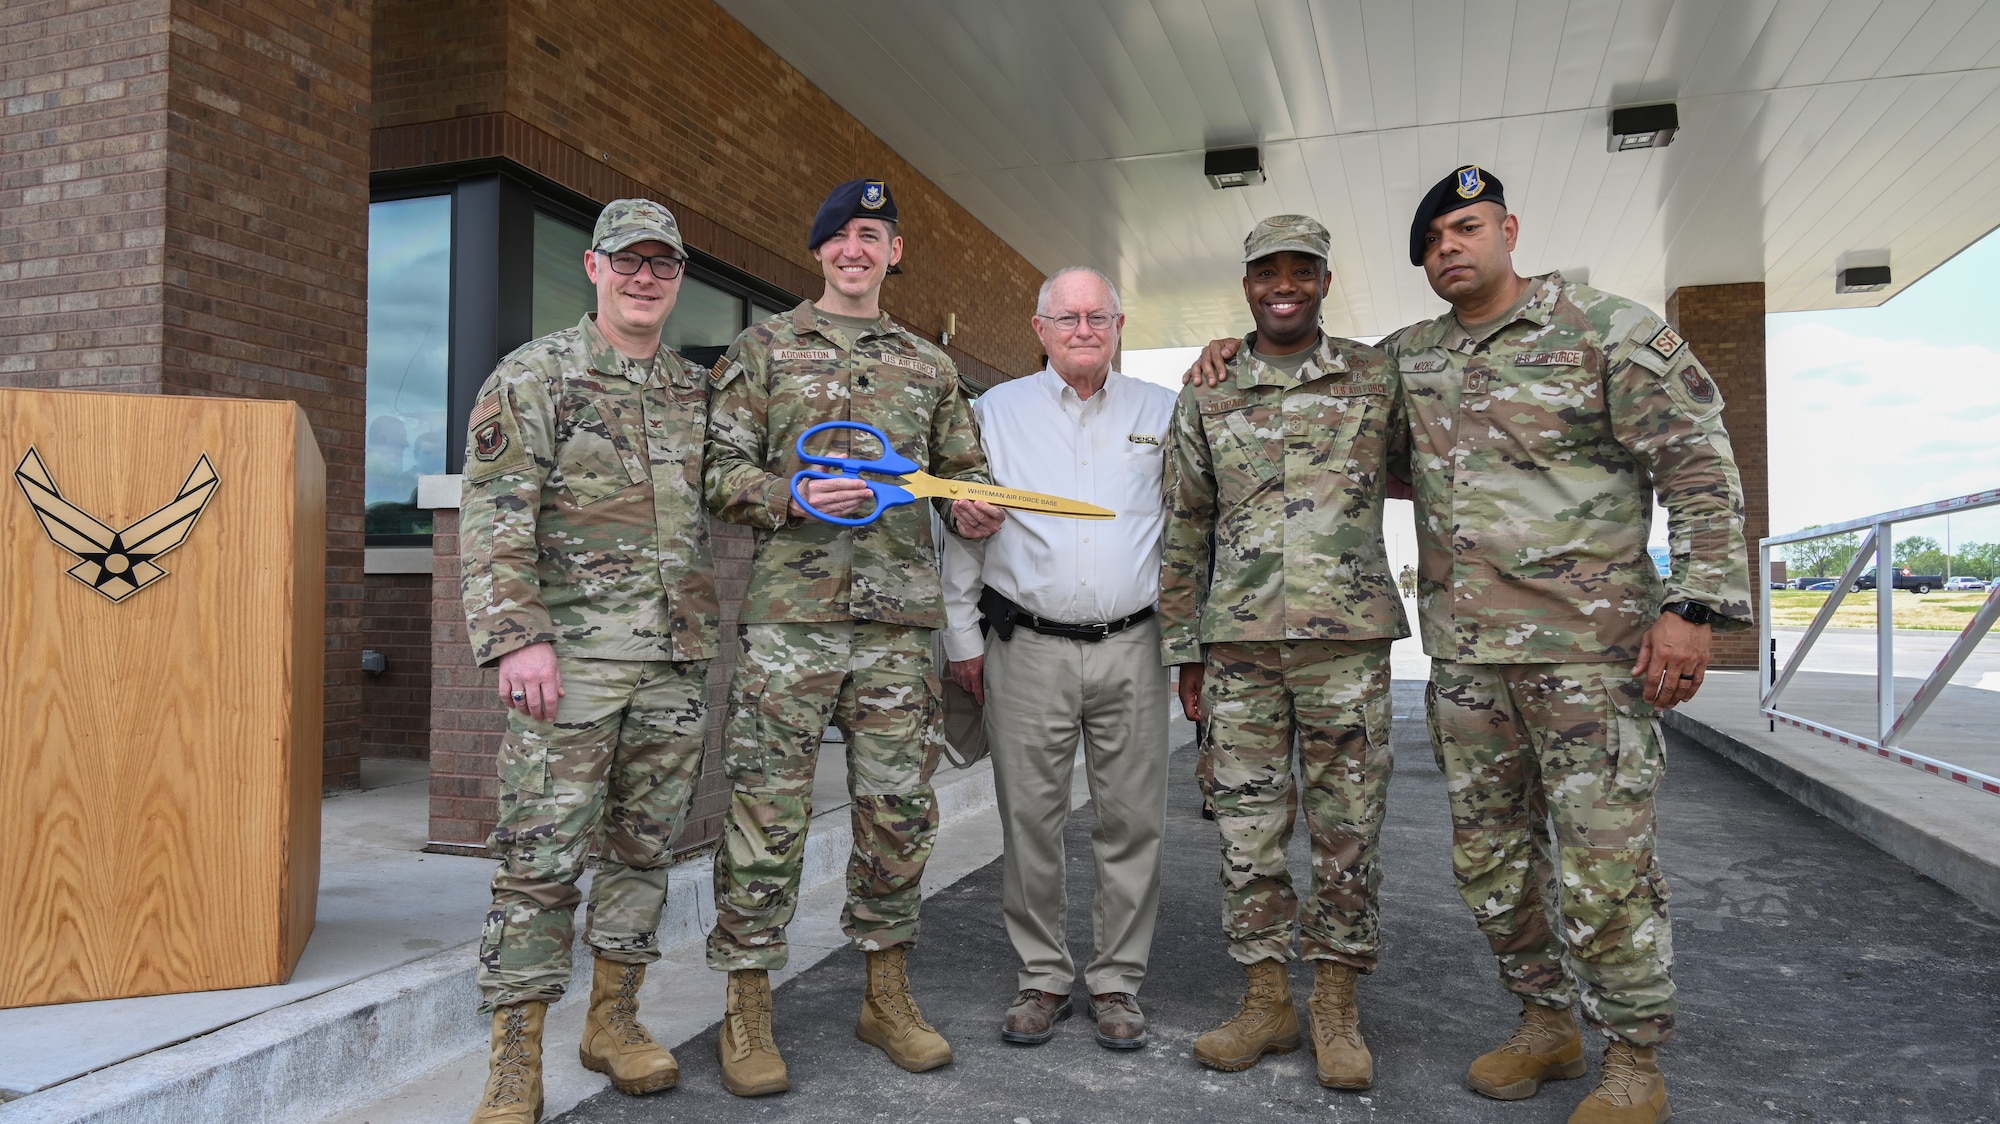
(1693,612)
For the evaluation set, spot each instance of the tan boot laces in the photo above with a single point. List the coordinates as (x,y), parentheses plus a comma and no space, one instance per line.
(623,1017)
(1336,1015)
(752,1011)
(1260,995)
(892,988)
(1622,1083)
(1531,1037)
(508,1084)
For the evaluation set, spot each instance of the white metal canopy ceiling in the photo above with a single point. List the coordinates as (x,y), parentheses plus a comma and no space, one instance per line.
(1815,134)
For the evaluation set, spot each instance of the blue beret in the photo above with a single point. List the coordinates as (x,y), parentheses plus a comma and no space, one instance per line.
(1462,188)
(863,198)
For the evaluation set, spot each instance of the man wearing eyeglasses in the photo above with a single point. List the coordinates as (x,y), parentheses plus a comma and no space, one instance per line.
(1071,649)
(835,629)
(588,582)
(1277,605)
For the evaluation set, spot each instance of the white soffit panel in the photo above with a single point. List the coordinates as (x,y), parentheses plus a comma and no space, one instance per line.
(1813,136)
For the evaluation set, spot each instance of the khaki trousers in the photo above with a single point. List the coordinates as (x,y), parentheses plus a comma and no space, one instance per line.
(1042,694)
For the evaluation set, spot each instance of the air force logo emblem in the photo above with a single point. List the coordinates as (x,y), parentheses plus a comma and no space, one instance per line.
(115,563)
(872,195)
(1470,183)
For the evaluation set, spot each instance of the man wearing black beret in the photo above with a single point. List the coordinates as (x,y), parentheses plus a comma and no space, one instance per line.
(1545,415)
(835,630)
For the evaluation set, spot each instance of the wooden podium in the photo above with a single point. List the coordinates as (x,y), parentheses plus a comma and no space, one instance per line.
(160,689)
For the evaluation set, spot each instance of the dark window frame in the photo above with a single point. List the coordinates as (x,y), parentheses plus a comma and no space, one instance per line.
(494,202)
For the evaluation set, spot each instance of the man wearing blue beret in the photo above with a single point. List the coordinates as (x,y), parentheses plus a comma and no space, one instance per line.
(835,630)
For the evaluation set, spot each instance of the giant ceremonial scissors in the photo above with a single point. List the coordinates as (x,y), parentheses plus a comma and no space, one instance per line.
(911,482)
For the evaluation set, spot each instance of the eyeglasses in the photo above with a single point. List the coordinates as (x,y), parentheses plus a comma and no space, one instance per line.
(1068,321)
(666,267)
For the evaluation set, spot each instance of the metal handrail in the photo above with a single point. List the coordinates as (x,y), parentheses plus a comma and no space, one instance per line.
(1891,726)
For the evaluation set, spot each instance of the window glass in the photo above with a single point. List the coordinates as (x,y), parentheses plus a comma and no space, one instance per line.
(765,312)
(703,317)
(563,293)
(409,322)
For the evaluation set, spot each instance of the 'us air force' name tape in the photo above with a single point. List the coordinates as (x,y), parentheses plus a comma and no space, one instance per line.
(910,365)
(1550,359)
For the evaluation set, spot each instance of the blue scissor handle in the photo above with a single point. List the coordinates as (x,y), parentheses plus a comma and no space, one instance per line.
(890,463)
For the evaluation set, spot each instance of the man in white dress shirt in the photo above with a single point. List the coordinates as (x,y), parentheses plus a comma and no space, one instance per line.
(1071,649)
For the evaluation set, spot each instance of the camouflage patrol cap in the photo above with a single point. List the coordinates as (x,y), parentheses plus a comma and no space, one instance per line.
(1287,232)
(628,222)
(1466,185)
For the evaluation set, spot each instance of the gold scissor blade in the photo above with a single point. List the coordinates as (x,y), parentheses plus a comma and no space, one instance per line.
(921,484)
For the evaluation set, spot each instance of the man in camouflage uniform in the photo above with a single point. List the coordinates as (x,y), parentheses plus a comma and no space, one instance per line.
(836,628)
(1283,466)
(1546,415)
(588,581)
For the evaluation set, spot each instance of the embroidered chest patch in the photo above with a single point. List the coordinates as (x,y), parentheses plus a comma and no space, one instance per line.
(786,354)
(1550,359)
(910,365)
(1142,438)
(1666,342)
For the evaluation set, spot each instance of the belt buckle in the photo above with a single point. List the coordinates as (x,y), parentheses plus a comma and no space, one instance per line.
(1101,630)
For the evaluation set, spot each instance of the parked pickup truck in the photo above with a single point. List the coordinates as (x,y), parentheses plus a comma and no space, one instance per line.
(1920,583)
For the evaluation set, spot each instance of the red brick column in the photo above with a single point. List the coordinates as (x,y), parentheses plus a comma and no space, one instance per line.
(184,210)
(1725,326)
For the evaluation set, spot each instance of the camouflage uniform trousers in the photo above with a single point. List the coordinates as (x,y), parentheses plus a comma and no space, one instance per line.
(617,767)
(1331,699)
(876,683)
(1527,749)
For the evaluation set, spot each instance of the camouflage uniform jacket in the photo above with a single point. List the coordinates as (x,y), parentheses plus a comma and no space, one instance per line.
(1287,475)
(1535,454)
(781,377)
(581,520)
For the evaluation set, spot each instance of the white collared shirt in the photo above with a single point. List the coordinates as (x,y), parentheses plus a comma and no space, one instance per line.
(1107,450)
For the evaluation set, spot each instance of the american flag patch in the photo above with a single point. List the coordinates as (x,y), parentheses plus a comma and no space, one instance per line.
(487,409)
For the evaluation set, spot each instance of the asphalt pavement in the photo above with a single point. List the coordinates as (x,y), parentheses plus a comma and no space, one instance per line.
(1820,980)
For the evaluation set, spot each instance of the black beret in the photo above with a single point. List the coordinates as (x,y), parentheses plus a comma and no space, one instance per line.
(1462,188)
(865,198)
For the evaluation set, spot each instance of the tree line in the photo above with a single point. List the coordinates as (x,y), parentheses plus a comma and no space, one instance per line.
(1920,554)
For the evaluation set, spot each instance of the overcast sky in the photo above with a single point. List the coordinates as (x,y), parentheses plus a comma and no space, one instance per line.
(1871,409)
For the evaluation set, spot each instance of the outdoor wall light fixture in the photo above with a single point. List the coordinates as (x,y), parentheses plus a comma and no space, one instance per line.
(1861,279)
(1232,167)
(1644,126)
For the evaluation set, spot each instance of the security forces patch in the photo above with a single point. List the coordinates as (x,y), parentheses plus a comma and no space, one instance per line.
(872,195)
(1699,386)
(1469,182)
(1666,343)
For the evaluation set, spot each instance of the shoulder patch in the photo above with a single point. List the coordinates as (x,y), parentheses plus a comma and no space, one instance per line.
(1666,342)
(1693,390)
(493,442)
(487,409)
(1570,358)
(918,366)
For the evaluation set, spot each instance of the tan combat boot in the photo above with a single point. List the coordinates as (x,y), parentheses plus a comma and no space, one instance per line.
(1630,1090)
(514,1073)
(890,1021)
(614,1043)
(1545,1047)
(751,1066)
(1266,1023)
(1343,1058)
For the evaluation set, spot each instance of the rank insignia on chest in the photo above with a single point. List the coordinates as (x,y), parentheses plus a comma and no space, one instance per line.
(1699,386)
(1476,381)
(1550,359)
(1666,343)
(788,354)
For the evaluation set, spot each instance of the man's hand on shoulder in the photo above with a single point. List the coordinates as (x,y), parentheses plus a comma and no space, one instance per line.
(530,681)
(971,675)
(1212,365)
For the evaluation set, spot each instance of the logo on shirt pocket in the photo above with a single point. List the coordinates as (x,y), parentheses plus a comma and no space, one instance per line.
(1143,438)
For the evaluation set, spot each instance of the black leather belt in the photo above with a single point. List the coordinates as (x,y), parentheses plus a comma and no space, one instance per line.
(1002,615)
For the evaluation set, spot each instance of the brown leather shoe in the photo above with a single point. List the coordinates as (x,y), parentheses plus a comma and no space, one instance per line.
(1121,1025)
(1032,1019)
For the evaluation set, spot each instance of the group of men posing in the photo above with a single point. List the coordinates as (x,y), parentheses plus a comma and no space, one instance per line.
(1533,423)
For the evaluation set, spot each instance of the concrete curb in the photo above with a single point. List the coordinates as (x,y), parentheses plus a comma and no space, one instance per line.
(320,1056)
(1972,876)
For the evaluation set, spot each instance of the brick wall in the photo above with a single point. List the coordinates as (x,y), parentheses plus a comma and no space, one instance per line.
(183,209)
(83,176)
(396,705)
(436,59)
(1724,324)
